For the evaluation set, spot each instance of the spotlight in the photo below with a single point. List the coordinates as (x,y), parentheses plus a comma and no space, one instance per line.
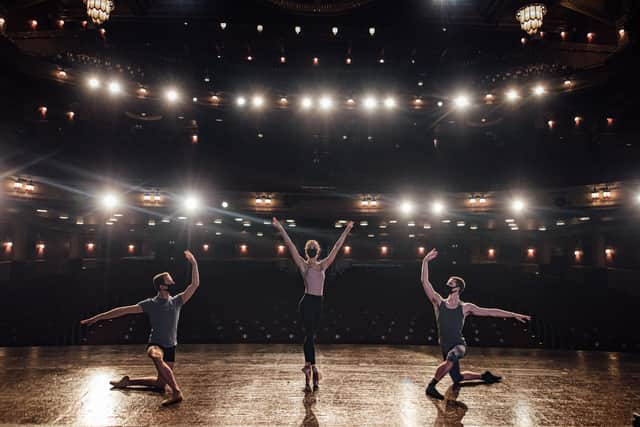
(326,102)
(518,205)
(260,28)
(489,98)
(257,101)
(372,31)
(306,102)
(241,101)
(334,30)
(283,60)
(568,83)
(512,95)
(225,204)
(390,103)
(440,104)
(348,61)
(297,29)
(223,25)
(370,103)
(93,83)
(316,61)
(172,95)
(437,207)
(539,90)
(109,201)
(406,207)
(461,102)
(115,88)
(191,203)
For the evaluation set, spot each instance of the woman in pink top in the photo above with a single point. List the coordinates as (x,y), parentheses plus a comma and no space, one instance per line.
(310,305)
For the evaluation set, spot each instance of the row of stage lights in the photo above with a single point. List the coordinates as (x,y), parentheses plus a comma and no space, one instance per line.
(281,249)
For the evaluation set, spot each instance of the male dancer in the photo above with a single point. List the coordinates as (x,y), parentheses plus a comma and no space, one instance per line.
(163,311)
(450,315)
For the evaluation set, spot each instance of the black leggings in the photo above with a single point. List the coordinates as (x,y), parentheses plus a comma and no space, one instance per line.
(310,308)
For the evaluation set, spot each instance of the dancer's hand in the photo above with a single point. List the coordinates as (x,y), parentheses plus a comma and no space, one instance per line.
(276,223)
(522,318)
(433,254)
(190,257)
(88,322)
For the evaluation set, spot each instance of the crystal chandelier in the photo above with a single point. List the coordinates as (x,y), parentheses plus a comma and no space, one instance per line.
(99,10)
(530,17)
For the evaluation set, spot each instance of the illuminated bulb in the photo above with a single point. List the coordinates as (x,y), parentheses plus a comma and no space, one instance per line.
(171,95)
(483,200)
(609,252)
(60,23)
(539,90)
(103,32)
(492,252)
(194,138)
(205,247)
(225,204)
(334,30)
(260,28)
(518,205)
(2,22)
(473,200)
(249,58)
(194,99)
(568,83)
(531,252)
(17,185)
(437,207)
(610,121)
(257,101)
(70,115)
(348,61)
(223,26)
(243,248)
(281,249)
(523,40)
(241,101)
(109,201)
(384,250)
(215,99)
(326,103)
(621,33)
(115,88)
(551,124)
(84,24)
(417,102)
(372,31)
(93,83)
(406,207)
(62,74)
(590,37)
(306,102)
(191,203)
(512,95)
(381,60)
(390,103)
(461,102)
(489,98)
(316,61)
(370,103)
(283,101)
(283,60)
(347,250)
(33,24)
(440,104)
(43,111)
(563,35)
(577,120)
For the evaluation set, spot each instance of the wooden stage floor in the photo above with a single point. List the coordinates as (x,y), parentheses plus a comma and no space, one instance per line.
(248,384)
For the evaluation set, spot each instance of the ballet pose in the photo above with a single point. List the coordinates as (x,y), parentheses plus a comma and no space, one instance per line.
(451,313)
(310,306)
(163,311)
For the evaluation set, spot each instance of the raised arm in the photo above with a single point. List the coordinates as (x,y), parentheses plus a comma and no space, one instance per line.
(195,278)
(112,314)
(472,309)
(297,258)
(326,263)
(433,296)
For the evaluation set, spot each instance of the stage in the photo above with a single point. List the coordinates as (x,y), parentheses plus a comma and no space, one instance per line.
(248,384)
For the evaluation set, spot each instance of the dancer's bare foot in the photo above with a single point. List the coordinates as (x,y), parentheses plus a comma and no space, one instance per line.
(176,397)
(316,378)
(124,382)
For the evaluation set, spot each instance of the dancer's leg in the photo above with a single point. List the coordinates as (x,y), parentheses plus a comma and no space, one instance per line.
(451,366)
(165,373)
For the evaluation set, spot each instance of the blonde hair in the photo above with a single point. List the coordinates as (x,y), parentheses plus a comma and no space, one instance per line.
(309,244)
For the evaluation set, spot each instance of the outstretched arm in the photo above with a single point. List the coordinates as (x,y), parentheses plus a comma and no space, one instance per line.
(326,263)
(433,296)
(195,278)
(112,314)
(297,258)
(493,312)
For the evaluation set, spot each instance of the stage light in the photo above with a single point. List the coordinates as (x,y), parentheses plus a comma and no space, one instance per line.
(2,22)
(551,124)
(102,32)
(590,37)
(512,95)
(42,210)
(489,98)
(606,193)
(284,102)
(440,104)
(223,26)
(326,103)
(260,28)
(473,200)
(461,102)
(390,103)
(249,58)
(491,252)
(638,198)
(316,61)
(109,201)
(542,228)
(381,60)
(523,41)
(306,102)
(460,224)
(62,74)
(384,250)
(241,101)
(563,35)
(539,90)
(171,95)
(131,248)
(621,33)
(93,83)
(437,207)
(568,83)
(33,24)
(70,115)
(283,60)
(370,103)
(334,30)
(483,200)
(257,101)
(531,252)
(244,249)
(348,61)
(194,138)
(406,207)
(610,121)
(281,249)
(17,185)
(43,111)
(518,205)
(115,88)
(577,120)
(224,204)
(473,227)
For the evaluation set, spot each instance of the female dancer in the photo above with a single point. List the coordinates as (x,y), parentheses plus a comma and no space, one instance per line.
(310,305)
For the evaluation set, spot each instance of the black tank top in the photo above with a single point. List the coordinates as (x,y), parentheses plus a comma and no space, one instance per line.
(450,324)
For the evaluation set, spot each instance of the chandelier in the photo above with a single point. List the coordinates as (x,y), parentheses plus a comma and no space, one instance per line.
(99,10)
(530,17)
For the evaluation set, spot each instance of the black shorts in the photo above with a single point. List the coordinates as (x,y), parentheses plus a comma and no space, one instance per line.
(168,353)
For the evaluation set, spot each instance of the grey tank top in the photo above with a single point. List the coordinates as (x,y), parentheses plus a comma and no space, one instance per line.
(313,281)
(450,324)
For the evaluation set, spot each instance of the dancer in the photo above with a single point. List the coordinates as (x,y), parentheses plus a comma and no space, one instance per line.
(310,306)
(450,315)
(163,311)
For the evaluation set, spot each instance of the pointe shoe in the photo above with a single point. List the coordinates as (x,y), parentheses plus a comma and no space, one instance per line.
(124,382)
(307,376)
(175,398)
